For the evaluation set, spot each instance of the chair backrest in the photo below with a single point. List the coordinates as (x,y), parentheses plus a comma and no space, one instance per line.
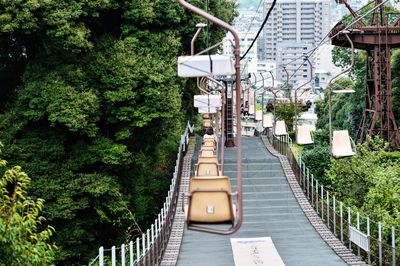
(206,123)
(208,160)
(207,148)
(207,169)
(258,115)
(210,200)
(280,128)
(268,120)
(208,143)
(303,135)
(341,145)
(207,153)
(206,116)
(251,108)
(206,136)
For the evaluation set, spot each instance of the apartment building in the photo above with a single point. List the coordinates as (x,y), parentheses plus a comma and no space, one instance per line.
(293,28)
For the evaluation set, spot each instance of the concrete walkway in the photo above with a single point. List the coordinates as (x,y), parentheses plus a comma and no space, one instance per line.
(270,209)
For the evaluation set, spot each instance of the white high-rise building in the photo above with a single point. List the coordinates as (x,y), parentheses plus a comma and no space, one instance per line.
(294,27)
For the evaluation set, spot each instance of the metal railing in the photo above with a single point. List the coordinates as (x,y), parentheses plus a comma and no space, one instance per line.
(149,248)
(372,241)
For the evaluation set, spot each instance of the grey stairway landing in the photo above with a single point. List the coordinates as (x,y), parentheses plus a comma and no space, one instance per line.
(270,209)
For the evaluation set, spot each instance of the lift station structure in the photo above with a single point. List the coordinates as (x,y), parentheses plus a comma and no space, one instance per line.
(377,37)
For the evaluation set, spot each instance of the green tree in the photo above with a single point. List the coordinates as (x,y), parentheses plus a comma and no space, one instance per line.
(23,241)
(93,109)
(285,111)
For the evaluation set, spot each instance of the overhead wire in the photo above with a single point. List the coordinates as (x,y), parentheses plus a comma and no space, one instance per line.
(259,31)
(253,18)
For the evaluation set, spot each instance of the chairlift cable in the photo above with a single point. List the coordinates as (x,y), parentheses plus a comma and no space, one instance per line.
(252,20)
(259,31)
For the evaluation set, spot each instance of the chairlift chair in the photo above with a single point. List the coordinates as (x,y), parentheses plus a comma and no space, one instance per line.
(205,65)
(206,153)
(212,159)
(268,121)
(207,169)
(280,128)
(342,145)
(207,123)
(209,143)
(210,200)
(303,135)
(258,115)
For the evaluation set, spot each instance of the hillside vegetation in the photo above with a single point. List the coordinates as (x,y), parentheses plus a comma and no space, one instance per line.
(91,108)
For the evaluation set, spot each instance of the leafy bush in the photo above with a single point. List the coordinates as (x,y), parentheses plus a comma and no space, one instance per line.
(22,242)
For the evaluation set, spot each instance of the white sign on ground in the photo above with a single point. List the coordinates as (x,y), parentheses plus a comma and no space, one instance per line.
(255,251)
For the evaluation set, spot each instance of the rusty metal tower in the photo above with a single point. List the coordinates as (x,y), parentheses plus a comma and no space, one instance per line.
(376,36)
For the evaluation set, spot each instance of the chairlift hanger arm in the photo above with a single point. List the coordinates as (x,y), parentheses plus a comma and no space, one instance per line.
(329,87)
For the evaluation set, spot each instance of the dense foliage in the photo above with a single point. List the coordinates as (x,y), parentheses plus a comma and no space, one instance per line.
(92,108)
(22,242)
(369,181)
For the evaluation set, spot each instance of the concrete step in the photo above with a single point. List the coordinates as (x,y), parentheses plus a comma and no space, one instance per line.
(250,174)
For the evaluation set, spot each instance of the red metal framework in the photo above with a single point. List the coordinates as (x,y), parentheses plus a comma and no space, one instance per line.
(376,39)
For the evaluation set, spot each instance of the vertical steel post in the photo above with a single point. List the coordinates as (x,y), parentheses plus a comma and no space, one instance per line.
(393,247)
(349,223)
(123,255)
(131,253)
(113,257)
(369,236)
(341,222)
(144,247)
(308,183)
(380,242)
(101,256)
(312,190)
(300,166)
(152,245)
(358,228)
(304,177)
(334,215)
(316,194)
(322,202)
(137,250)
(327,207)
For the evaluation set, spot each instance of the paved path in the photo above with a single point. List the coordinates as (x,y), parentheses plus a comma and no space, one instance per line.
(270,209)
